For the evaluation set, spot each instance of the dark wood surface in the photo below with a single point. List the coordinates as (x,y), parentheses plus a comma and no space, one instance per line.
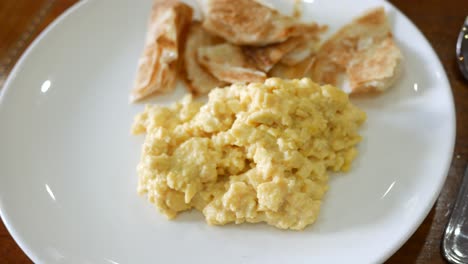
(439,20)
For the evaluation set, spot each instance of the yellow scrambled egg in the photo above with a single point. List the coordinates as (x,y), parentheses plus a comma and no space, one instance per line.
(252,153)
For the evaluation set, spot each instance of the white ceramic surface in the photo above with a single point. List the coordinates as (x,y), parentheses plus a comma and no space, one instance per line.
(67,159)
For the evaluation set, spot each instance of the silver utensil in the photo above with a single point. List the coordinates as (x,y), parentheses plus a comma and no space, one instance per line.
(462,49)
(455,240)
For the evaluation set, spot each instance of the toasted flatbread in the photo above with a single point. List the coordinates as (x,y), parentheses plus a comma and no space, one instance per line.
(157,68)
(266,57)
(199,80)
(299,70)
(376,68)
(248,22)
(304,50)
(352,45)
(290,51)
(228,63)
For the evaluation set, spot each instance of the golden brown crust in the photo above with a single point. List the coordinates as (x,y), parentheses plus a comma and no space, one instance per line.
(266,57)
(198,80)
(297,71)
(376,68)
(158,63)
(228,63)
(352,48)
(305,49)
(247,22)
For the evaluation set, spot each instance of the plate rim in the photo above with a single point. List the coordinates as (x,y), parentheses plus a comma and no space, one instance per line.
(6,86)
(449,156)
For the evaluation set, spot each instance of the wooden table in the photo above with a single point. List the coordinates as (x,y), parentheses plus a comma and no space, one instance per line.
(439,20)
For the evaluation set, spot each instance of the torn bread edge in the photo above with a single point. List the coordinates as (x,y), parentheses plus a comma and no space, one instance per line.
(159,62)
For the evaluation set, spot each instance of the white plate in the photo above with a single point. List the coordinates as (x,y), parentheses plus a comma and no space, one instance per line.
(67,159)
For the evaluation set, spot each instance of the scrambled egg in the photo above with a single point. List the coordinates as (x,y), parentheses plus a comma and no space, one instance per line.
(252,153)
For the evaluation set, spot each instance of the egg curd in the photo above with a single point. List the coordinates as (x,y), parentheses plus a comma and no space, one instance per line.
(260,152)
